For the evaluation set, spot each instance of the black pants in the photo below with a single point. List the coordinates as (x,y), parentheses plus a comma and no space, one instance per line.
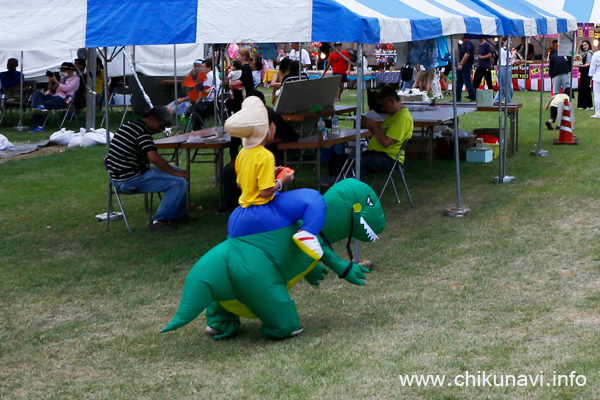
(481,73)
(204,109)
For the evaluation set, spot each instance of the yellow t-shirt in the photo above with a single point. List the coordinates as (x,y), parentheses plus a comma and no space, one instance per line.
(399,127)
(558,99)
(255,169)
(100,83)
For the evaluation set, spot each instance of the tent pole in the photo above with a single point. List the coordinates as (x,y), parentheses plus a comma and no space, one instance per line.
(106,107)
(539,152)
(221,60)
(90,112)
(299,55)
(175,79)
(502,177)
(504,145)
(359,110)
(572,61)
(20,126)
(458,211)
(500,102)
(124,74)
(214,88)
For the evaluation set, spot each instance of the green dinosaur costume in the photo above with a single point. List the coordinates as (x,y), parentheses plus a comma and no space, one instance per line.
(250,276)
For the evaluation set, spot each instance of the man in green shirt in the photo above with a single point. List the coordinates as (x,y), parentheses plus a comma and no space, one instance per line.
(388,138)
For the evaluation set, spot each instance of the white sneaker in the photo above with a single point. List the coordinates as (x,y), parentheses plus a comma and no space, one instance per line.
(595,116)
(212,331)
(296,332)
(309,244)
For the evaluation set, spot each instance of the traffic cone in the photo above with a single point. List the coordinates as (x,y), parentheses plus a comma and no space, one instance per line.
(565,135)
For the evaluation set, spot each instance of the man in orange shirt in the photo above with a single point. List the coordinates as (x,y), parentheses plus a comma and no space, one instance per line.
(339,65)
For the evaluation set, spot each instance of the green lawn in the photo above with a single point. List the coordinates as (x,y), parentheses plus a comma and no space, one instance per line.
(512,289)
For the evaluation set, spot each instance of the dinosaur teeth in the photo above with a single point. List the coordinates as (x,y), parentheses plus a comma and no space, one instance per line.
(370,233)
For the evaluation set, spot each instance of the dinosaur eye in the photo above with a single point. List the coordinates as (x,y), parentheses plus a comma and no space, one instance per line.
(370,202)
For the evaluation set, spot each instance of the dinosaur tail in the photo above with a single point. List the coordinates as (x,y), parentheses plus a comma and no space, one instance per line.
(202,280)
(195,298)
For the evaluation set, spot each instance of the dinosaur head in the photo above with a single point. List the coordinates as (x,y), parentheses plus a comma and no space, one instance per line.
(354,209)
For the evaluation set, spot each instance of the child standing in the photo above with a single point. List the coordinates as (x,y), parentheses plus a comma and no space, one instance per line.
(256,65)
(262,206)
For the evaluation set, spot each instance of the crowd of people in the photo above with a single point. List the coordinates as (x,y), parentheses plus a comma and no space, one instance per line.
(136,166)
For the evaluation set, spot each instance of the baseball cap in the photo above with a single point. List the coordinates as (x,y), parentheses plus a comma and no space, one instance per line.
(68,65)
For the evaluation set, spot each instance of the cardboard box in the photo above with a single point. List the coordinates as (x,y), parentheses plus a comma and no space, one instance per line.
(480,154)
(417,146)
(464,143)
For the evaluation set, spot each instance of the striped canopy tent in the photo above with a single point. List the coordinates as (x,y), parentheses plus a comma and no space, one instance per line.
(34,24)
(582,10)
(530,17)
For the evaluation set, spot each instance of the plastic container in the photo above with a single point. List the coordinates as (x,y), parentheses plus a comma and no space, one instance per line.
(495,147)
(335,124)
(322,129)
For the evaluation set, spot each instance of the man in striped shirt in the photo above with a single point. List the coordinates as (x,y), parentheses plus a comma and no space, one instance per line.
(129,156)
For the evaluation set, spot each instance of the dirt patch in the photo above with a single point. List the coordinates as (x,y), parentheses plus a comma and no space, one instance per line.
(40,152)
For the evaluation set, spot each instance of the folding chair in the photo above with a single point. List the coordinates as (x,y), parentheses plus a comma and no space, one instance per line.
(397,167)
(123,93)
(220,108)
(2,107)
(69,112)
(347,171)
(12,102)
(148,206)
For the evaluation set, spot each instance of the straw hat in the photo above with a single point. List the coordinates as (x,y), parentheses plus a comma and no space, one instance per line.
(251,123)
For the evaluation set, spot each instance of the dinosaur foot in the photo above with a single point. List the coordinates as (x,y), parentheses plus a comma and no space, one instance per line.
(291,335)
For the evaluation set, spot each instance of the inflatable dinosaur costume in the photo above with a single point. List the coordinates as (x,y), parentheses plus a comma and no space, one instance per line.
(250,276)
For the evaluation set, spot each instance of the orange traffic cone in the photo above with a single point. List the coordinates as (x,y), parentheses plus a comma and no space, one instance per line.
(565,135)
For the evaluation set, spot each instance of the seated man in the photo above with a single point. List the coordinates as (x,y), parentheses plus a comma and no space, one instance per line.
(387,139)
(129,154)
(10,80)
(204,107)
(181,106)
(60,94)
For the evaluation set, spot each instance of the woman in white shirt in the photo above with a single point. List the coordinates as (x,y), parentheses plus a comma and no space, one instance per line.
(595,77)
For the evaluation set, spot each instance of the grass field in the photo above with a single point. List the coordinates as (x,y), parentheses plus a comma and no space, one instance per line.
(512,289)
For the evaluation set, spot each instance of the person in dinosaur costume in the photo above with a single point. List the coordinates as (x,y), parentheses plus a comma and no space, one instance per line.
(250,276)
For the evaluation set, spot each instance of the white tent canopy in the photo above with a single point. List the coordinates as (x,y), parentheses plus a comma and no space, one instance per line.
(149,60)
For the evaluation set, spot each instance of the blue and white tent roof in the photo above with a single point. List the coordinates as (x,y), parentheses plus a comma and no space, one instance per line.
(530,17)
(47,24)
(582,10)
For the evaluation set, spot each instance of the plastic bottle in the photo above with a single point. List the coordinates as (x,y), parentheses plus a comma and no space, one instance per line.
(335,124)
(322,129)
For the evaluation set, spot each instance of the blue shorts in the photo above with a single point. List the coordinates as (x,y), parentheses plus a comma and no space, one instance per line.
(344,77)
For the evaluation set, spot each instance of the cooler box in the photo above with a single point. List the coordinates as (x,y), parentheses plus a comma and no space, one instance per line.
(480,154)
(484,98)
